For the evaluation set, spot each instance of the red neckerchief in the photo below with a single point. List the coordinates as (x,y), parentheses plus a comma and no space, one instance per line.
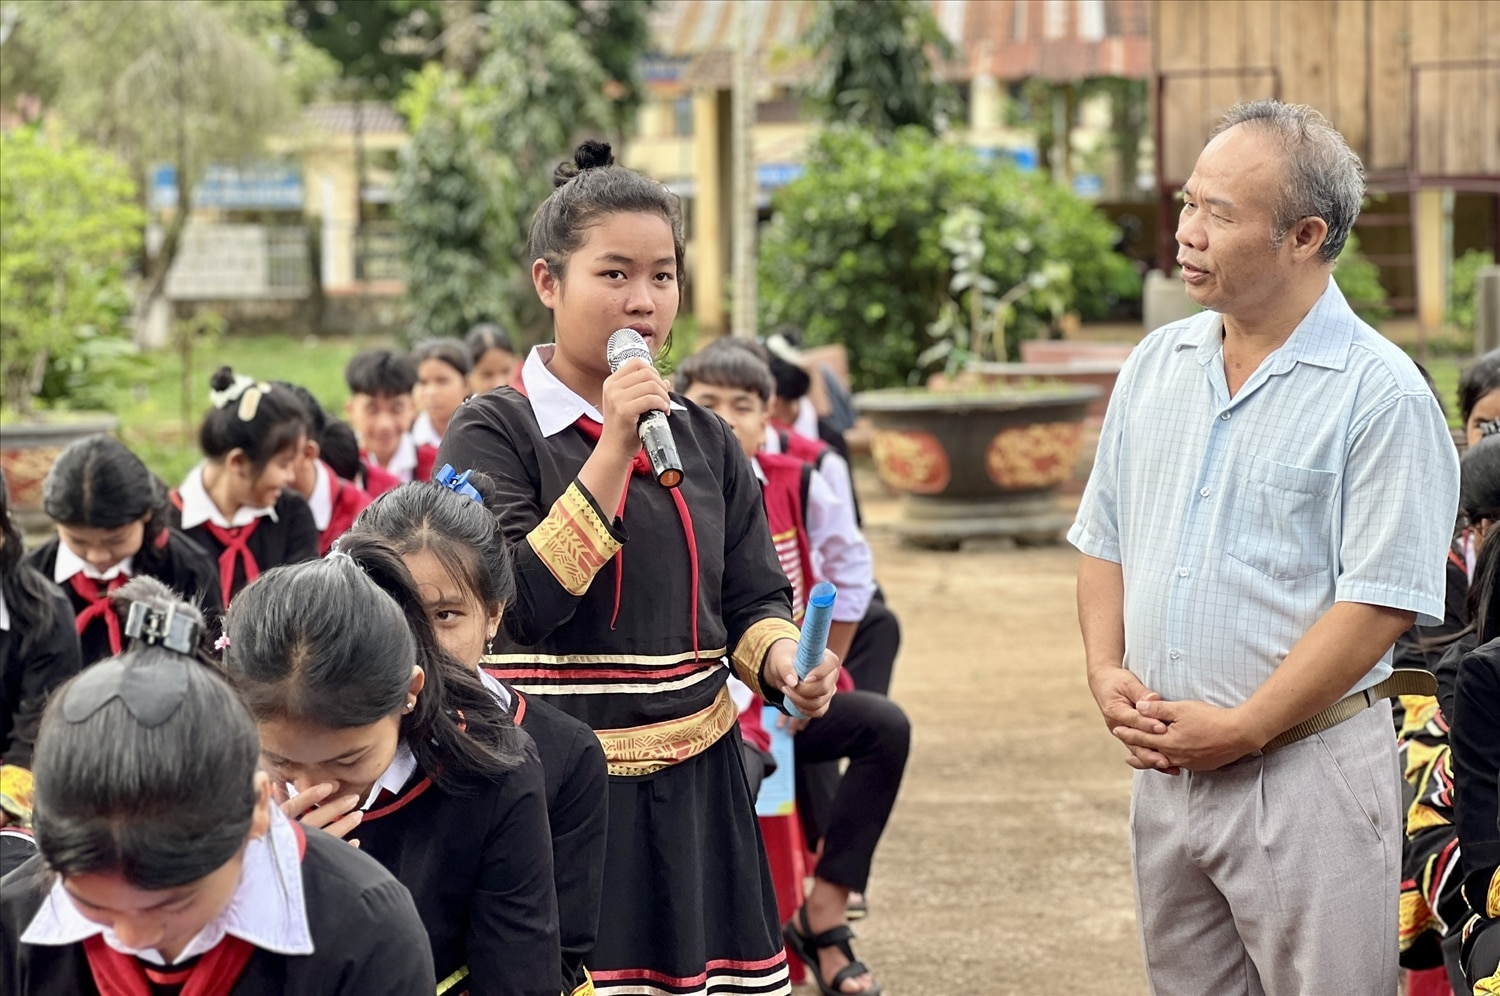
(641,466)
(213,974)
(233,541)
(96,593)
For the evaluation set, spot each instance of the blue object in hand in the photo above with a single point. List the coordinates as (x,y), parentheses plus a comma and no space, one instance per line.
(814,639)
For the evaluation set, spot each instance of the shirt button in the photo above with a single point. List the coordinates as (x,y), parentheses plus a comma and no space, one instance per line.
(1225,416)
(1204,492)
(1174,654)
(1182,572)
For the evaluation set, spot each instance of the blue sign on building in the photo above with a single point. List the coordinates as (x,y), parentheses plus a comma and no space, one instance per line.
(263,187)
(770,176)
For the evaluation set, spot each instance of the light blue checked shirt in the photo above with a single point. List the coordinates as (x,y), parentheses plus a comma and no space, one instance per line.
(1329,477)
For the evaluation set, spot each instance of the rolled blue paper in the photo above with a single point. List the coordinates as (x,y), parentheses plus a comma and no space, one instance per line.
(814,639)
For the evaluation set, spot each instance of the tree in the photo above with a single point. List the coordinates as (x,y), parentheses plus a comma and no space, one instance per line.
(481,160)
(376,43)
(617,33)
(175,83)
(855,252)
(68,227)
(874,71)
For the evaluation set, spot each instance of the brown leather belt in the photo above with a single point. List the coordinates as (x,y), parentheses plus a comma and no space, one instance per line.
(1406,681)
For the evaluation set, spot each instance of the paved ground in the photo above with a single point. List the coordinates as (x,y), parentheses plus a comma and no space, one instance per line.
(1005,869)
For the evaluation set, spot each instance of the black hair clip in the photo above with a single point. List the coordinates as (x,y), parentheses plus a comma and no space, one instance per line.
(151,692)
(1490,428)
(158,628)
(458,483)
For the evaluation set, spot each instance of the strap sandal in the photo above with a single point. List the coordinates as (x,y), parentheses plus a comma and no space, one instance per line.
(858,908)
(806,945)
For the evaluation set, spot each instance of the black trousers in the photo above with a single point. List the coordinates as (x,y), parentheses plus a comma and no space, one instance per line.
(877,641)
(873,734)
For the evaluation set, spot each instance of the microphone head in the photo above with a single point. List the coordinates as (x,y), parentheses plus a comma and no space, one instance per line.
(626,344)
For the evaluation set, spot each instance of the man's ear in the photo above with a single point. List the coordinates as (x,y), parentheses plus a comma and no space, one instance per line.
(1307,237)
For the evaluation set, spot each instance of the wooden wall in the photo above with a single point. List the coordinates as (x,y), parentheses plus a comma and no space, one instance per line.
(1351,59)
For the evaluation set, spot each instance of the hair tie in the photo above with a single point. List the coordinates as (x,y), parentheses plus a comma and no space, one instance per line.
(247,391)
(150,692)
(458,483)
(335,553)
(778,346)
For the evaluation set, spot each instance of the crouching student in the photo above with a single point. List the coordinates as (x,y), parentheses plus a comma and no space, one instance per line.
(381,409)
(238,504)
(112,524)
(376,734)
(816,539)
(453,545)
(164,865)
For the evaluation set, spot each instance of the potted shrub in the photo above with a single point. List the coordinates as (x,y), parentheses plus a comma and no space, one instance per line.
(69,226)
(976,459)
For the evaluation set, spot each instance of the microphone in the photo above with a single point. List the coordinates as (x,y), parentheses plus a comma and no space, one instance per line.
(656,435)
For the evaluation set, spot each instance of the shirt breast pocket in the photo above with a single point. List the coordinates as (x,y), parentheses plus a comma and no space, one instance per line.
(1282,520)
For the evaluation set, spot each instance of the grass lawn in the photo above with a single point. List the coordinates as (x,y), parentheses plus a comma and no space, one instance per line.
(152,413)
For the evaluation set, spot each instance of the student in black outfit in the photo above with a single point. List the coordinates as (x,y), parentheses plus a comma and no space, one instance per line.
(630,595)
(112,524)
(239,504)
(453,546)
(373,726)
(164,866)
(38,652)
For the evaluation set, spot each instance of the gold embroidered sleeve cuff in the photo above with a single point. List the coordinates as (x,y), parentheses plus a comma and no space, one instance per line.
(750,654)
(16,792)
(573,540)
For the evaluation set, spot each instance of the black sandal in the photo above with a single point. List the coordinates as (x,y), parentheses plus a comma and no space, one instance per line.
(806,946)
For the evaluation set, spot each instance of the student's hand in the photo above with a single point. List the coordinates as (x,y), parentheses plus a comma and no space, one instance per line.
(791,724)
(810,694)
(630,392)
(337,817)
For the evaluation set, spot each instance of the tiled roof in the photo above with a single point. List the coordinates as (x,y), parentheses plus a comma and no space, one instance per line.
(1058,40)
(375,118)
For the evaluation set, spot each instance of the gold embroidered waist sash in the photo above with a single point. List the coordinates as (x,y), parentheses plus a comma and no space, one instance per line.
(644,750)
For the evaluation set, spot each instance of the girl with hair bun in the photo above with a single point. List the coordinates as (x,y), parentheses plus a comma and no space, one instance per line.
(453,546)
(164,865)
(38,652)
(238,504)
(630,596)
(113,523)
(370,730)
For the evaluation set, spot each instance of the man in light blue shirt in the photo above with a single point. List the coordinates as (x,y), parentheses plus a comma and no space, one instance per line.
(1270,508)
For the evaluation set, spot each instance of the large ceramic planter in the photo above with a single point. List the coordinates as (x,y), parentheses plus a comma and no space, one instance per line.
(978,464)
(29,447)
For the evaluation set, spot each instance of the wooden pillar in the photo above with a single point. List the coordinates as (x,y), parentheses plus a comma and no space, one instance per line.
(1432,213)
(710,222)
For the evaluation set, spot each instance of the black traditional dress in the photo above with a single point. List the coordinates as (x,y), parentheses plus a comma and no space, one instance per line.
(623,619)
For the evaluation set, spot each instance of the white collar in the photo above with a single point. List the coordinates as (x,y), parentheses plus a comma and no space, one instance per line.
(69,564)
(198,507)
(321,499)
(403,465)
(267,909)
(554,403)
(806,423)
(4,615)
(773,440)
(394,777)
(424,433)
(760,472)
(496,688)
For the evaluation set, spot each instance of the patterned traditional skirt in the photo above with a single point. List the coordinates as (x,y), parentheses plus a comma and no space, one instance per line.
(688,908)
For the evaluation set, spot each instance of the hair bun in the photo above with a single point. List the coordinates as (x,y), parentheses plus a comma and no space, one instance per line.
(222,379)
(589,155)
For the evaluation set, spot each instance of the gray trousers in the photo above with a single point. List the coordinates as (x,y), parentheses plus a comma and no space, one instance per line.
(1277,875)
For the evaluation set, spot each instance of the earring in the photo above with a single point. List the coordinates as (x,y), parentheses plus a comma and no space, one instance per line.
(411,704)
(489,646)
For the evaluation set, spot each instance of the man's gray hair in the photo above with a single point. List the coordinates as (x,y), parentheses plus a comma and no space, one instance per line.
(1324,178)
